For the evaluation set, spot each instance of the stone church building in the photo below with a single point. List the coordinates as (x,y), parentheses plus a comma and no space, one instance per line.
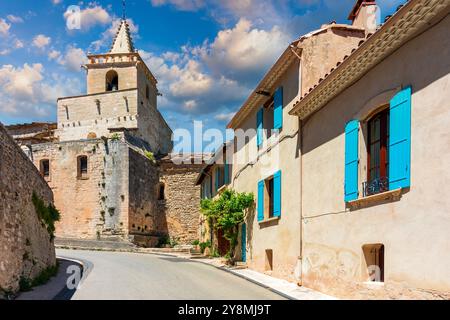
(108,158)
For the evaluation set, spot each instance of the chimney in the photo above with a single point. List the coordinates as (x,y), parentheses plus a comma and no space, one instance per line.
(365,14)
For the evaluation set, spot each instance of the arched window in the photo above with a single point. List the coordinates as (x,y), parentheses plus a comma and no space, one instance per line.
(112,81)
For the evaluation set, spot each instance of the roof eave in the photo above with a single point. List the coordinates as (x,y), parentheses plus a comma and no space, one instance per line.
(390,31)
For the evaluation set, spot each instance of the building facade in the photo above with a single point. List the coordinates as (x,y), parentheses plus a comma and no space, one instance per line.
(266,158)
(374,211)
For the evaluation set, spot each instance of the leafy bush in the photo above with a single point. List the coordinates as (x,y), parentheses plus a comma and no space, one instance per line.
(228,212)
(47,214)
(195,242)
(204,245)
(115,137)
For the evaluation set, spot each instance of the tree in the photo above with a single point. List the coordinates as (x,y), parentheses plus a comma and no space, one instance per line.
(228,212)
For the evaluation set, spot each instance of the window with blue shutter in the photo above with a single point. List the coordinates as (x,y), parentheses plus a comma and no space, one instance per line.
(400,140)
(226,174)
(277,194)
(351,160)
(278,109)
(259,127)
(261,186)
(217,178)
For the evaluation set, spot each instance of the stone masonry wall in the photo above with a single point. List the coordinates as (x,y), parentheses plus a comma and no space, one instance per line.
(145,222)
(181,206)
(95,206)
(25,245)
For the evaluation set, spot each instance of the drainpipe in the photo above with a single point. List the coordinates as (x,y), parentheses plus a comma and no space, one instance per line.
(300,129)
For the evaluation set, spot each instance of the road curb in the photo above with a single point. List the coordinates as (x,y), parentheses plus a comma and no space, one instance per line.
(246,278)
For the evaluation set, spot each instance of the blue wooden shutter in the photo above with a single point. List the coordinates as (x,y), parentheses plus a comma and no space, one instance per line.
(226,170)
(259,127)
(278,109)
(216,182)
(351,160)
(400,140)
(277,194)
(261,200)
(244,242)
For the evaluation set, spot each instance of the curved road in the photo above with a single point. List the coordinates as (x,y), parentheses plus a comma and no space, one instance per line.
(117,275)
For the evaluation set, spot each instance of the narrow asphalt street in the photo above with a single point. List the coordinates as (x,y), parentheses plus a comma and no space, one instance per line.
(122,276)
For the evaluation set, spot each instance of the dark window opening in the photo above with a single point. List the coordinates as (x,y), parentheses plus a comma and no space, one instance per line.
(377,154)
(45,168)
(374,259)
(269,260)
(147,92)
(161,192)
(112,81)
(268,199)
(268,121)
(82,166)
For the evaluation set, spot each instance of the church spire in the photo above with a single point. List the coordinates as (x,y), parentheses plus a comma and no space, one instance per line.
(123,43)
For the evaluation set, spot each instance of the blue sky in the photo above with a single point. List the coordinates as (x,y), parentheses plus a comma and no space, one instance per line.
(207,55)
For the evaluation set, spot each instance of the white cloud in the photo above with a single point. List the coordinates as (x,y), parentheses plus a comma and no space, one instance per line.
(54,54)
(183,5)
(14,19)
(225,117)
(28,91)
(244,53)
(91,16)
(18,44)
(4,28)
(72,59)
(56,1)
(41,41)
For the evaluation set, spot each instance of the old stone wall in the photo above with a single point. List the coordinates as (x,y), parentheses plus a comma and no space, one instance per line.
(25,245)
(95,205)
(146,223)
(181,206)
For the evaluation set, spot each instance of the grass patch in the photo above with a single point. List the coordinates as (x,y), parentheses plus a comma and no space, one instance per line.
(43,277)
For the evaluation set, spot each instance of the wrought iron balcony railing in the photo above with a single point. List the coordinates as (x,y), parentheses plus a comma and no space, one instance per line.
(375,186)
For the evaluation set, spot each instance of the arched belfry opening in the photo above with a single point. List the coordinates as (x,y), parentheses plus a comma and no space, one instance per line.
(112,81)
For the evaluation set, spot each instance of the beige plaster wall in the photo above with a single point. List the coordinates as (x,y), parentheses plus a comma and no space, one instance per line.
(414,230)
(282,236)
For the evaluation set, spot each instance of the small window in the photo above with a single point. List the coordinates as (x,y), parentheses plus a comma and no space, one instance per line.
(161,192)
(82,167)
(268,121)
(377,154)
(44,168)
(269,260)
(374,262)
(112,81)
(147,92)
(268,199)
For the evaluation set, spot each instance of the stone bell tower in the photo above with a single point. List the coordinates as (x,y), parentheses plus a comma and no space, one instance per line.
(121,96)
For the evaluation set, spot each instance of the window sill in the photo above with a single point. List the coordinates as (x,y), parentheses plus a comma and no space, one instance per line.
(392,195)
(83,178)
(268,220)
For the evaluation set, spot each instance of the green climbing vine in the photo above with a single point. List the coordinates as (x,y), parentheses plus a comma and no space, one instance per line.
(48,214)
(228,212)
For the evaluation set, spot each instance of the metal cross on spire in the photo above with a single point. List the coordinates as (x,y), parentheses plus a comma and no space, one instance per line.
(124,10)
